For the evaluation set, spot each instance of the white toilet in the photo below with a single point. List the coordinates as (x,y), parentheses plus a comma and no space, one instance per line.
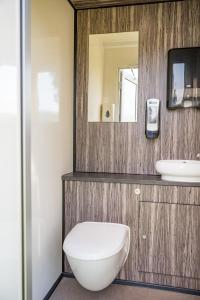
(96,252)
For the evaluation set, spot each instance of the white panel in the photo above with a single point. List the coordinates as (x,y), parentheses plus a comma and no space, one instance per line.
(10,164)
(52,134)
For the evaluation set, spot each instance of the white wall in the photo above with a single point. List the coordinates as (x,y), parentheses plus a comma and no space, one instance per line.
(95,85)
(10,163)
(52,134)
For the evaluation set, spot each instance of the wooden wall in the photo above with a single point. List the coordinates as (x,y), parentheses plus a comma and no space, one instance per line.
(82,4)
(123,147)
(168,216)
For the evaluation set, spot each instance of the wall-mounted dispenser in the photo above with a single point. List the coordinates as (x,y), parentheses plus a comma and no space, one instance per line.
(183,88)
(108,112)
(152,118)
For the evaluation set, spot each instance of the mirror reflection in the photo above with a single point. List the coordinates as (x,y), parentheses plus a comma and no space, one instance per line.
(113,77)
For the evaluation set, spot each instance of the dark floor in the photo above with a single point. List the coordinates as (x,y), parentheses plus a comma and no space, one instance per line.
(69,289)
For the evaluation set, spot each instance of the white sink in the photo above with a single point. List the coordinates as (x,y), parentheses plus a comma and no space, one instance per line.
(179,170)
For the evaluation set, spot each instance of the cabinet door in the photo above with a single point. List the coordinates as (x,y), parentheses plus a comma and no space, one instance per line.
(169,239)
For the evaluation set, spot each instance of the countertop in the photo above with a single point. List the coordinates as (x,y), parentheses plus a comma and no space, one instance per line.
(124,178)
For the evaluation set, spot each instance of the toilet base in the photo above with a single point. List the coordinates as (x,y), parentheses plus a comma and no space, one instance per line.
(98,274)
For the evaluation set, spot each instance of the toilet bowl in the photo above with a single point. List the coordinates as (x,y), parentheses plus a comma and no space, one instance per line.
(96,252)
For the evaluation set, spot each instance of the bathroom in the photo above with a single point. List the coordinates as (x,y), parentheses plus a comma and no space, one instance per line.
(75,152)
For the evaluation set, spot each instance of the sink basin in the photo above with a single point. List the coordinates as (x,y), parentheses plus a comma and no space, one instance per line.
(179,170)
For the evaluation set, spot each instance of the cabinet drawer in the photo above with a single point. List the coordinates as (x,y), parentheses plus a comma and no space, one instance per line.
(169,239)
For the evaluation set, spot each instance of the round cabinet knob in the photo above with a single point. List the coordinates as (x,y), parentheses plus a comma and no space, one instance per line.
(144,237)
(137,191)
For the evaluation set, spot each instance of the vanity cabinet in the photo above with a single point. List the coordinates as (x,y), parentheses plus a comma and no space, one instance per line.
(164,222)
(169,239)
(169,231)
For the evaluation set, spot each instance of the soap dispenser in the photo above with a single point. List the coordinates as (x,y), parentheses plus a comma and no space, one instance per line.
(152,118)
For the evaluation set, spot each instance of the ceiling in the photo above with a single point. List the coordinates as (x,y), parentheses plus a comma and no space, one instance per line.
(84,4)
(114,40)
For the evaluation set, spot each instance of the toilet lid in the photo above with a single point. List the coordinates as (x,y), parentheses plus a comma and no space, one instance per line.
(95,240)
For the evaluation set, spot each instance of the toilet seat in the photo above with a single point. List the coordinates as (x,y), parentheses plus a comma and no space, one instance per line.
(94,240)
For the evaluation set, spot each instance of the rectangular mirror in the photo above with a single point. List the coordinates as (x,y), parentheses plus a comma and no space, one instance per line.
(113,77)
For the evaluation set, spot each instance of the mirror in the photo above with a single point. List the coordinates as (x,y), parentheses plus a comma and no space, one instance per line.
(113,77)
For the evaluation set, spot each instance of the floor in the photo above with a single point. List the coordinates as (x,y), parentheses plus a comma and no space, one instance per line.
(69,289)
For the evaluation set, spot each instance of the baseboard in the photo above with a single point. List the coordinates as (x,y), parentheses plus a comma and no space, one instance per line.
(54,286)
(68,275)
(130,283)
(147,285)
(157,286)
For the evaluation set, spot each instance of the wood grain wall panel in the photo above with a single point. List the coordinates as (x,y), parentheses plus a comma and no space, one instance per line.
(169,239)
(114,202)
(123,147)
(103,202)
(83,4)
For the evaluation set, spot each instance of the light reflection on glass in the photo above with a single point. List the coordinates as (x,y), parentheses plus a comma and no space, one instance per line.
(48,96)
(179,82)
(128,94)
(8,89)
